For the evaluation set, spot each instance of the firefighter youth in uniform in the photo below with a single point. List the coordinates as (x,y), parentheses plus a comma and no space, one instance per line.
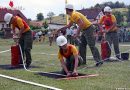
(70,53)
(25,35)
(109,21)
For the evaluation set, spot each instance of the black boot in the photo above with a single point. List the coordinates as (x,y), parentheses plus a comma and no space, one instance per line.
(99,64)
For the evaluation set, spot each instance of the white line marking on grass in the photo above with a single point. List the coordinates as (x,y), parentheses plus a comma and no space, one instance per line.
(29,82)
(49,54)
(56,54)
(125,45)
(5,51)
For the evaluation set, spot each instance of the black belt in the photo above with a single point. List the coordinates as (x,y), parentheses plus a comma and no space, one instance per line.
(112,32)
(26,32)
(88,27)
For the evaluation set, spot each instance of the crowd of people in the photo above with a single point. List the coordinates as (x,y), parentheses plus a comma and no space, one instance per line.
(40,36)
(124,34)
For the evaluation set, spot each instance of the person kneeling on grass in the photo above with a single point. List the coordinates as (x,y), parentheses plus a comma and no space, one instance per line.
(70,53)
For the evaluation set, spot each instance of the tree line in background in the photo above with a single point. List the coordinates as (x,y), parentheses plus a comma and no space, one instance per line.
(40,16)
(117,4)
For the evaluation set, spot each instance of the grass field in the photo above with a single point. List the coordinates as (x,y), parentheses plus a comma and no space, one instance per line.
(112,75)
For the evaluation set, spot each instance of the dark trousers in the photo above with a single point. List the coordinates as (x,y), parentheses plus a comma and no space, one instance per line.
(87,37)
(26,46)
(112,37)
(69,39)
(50,40)
(70,63)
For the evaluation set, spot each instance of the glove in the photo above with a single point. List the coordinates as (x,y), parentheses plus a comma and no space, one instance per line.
(69,74)
(15,38)
(75,73)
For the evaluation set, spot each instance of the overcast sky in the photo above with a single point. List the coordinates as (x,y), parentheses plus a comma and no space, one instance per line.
(33,7)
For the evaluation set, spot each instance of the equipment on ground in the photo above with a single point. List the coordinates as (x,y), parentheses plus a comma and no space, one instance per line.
(15,55)
(105,50)
(125,56)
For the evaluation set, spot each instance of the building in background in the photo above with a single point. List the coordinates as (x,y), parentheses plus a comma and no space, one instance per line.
(93,14)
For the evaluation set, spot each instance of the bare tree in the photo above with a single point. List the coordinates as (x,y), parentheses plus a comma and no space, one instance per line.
(50,15)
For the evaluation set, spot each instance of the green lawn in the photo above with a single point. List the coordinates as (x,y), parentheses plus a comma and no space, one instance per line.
(112,75)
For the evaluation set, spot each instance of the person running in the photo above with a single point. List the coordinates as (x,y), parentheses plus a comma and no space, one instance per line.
(87,36)
(24,35)
(50,36)
(70,53)
(111,35)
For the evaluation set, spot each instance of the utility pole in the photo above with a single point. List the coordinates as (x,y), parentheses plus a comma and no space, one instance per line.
(66,1)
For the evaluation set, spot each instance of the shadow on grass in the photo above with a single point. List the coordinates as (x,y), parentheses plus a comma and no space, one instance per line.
(51,75)
(60,77)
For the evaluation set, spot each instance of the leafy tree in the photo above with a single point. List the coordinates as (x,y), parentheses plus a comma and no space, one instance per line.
(45,24)
(97,5)
(119,17)
(111,4)
(117,4)
(50,15)
(124,24)
(128,16)
(33,27)
(40,17)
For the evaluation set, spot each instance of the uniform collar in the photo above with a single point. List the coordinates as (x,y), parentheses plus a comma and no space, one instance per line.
(72,13)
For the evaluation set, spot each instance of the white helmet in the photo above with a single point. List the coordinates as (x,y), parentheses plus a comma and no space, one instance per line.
(107,9)
(61,40)
(69,6)
(8,17)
